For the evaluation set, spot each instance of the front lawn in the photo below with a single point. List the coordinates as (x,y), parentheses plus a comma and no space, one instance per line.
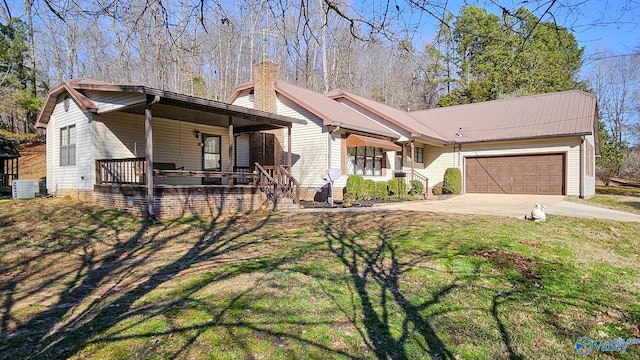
(81,282)
(617,198)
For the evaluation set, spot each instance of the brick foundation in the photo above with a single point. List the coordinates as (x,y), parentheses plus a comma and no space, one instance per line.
(176,201)
(312,194)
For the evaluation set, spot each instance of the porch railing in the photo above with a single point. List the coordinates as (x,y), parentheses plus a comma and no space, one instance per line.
(277,182)
(121,171)
(423,179)
(6,180)
(134,171)
(243,170)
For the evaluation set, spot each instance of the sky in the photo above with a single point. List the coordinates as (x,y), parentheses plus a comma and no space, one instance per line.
(598,25)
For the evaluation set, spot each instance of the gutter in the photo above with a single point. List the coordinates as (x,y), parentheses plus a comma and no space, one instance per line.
(366,132)
(581,134)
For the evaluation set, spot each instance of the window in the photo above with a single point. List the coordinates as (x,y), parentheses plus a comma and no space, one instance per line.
(68,145)
(365,160)
(418,155)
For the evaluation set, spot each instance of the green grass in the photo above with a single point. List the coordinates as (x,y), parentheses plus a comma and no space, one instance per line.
(612,190)
(623,199)
(81,282)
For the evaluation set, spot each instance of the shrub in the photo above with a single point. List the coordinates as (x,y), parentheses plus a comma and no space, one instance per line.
(452,183)
(437,189)
(397,186)
(368,189)
(382,190)
(416,187)
(354,188)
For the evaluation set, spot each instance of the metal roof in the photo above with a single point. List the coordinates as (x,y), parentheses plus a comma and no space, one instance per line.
(546,115)
(7,150)
(332,112)
(391,114)
(74,89)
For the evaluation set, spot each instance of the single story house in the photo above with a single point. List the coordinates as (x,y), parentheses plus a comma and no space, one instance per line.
(165,154)
(541,144)
(158,153)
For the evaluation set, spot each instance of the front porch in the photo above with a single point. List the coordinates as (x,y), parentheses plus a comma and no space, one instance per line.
(122,184)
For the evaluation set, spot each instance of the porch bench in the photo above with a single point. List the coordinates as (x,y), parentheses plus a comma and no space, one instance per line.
(214,176)
(166,166)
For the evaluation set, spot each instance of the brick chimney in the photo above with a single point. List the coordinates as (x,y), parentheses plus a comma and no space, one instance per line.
(265,75)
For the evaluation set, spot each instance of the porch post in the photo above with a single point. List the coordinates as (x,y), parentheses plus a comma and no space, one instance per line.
(232,153)
(412,155)
(289,147)
(148,135)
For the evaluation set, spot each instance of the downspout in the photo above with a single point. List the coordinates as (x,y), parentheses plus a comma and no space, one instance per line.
(582,166)
(289,165)
(232,151)
(460,163)
(329,135)
(54,180)
(148,135)
(413,152)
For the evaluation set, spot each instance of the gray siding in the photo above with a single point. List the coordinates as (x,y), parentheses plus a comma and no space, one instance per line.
(50,165)
(590,181)
(121,135)
(80,176)
(308,144)
(404,134)
(243,100)
(335,160)
(436,161)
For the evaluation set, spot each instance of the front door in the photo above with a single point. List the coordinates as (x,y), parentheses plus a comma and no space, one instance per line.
(211,156)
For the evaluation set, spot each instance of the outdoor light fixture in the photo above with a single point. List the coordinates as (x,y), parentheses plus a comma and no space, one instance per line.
(66,103)
(252,96)
(196,132)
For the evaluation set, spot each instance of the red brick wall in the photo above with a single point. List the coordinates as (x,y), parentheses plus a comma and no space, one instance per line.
(177,201)
(265,75)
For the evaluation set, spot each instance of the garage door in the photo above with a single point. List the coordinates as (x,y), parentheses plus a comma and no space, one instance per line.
(527,174)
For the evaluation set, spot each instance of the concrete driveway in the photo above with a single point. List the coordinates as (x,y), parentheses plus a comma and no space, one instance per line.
(514,205)
(502,205)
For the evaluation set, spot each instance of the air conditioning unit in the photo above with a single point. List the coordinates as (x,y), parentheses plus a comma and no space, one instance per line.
(25,189)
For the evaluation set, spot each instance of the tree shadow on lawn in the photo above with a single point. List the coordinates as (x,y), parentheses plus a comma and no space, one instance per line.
(376,265)
(377,262)
(80,317)
(59,333)
(98,303)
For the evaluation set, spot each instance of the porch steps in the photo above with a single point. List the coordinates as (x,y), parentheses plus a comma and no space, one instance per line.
(287,204)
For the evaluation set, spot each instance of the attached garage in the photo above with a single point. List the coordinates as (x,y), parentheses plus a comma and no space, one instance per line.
(542,174)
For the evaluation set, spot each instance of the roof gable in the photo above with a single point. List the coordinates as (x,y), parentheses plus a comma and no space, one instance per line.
(395,116)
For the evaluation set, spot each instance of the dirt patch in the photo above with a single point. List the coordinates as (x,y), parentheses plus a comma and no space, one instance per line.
(505,260)
(32,162)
